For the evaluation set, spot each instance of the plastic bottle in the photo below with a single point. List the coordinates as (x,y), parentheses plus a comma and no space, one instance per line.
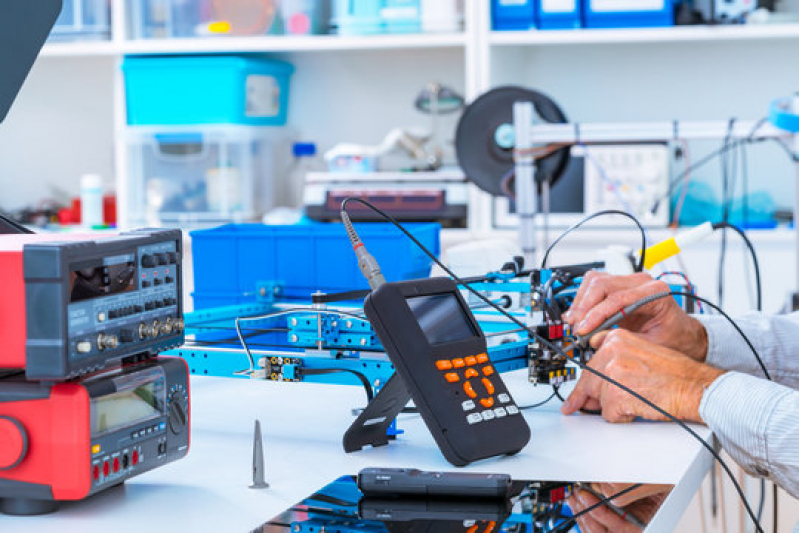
(91,200)
(442,16)
(305,161)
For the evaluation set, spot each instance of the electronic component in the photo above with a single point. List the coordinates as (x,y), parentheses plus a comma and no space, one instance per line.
(410,482)
(76,304)
(68,441)
(440,356)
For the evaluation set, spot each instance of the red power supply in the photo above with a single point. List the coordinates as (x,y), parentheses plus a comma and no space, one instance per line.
(67,441)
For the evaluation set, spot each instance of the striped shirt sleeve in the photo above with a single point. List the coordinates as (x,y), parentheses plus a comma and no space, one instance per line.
(757,422)
(776,339)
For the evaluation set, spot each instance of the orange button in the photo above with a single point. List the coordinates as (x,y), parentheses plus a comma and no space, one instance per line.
(482,358)
(472,529)
(490,527)
(487,402)
(443,365)
(488,385)
(458,363)
(488,370)
(471,361)
(469,390)
(471,373)
(452,377)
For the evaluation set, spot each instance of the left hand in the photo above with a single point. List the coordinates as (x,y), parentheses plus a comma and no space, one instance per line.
(668,379)
(602,519)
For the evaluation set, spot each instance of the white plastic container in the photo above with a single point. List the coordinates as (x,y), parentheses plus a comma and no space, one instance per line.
(91,200)
(197,176)
(442,16)
(83,20)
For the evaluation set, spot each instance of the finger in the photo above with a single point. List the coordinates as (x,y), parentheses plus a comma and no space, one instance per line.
(587,521)
(599,339)
(583,396)
(591,291)
(612,521)
(616,301)
(599,287)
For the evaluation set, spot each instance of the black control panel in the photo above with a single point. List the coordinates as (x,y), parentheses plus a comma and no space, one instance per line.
(91,304)
(440,355)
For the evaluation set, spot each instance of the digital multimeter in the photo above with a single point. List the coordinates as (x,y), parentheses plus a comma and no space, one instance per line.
(440,354)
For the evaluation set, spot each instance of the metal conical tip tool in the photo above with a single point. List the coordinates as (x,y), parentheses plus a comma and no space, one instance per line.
(258,481)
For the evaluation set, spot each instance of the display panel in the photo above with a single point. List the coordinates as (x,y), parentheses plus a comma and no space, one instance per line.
(127,407)
(88,283)
(442,318)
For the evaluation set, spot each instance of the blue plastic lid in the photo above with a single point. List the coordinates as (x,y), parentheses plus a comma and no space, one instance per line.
(304,149)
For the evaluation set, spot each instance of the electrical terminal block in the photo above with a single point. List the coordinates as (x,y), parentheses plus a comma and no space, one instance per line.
(278,369)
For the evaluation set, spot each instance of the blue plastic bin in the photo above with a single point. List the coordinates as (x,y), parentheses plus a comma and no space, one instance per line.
(230,261)
(652,13)
(207,90)
(559,14)
(513,15)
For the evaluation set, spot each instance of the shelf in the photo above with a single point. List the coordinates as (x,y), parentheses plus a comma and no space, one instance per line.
(80,49)
(317,43)
(646,35)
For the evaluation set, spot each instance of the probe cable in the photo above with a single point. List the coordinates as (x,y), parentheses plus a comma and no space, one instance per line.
(638,268)
(555,348)
(601,502)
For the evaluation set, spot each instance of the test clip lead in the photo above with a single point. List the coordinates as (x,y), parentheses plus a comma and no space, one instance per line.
(584,341)
(366,262)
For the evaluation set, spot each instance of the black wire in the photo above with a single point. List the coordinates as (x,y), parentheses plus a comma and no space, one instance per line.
(360,375)
(558,394)
(776,494)
(592,216)
(539,404)
(572,519)
(579,363)
(753,253)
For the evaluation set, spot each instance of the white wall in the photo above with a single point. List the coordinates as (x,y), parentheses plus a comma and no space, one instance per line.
(60,127)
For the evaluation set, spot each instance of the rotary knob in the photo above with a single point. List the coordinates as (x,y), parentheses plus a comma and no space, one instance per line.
(178,416)
(15,443)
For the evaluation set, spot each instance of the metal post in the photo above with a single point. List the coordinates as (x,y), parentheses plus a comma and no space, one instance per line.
(525,179)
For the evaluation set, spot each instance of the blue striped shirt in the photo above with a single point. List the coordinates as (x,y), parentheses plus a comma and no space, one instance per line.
(756,420)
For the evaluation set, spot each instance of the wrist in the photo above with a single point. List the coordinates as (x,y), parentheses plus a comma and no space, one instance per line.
(698,344)
(691,395)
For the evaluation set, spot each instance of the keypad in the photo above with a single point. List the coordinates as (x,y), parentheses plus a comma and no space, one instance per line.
(472,374)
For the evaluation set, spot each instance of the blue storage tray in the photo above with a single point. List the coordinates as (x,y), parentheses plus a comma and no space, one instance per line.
(559,15)
(229,261)
(643,18)
(207,90)
(513,15)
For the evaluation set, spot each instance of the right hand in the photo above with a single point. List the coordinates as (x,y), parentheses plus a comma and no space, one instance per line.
(662,322)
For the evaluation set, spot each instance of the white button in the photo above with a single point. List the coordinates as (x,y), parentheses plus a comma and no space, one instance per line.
(500,412)
(84,347)
(101,317)
(474,418)
(504,398)
(488,415)
(468,405)
(513,410)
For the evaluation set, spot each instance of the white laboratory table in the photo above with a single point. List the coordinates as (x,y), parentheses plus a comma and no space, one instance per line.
(303,424)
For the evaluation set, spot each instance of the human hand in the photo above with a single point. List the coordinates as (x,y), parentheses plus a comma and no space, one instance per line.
(663,321)
(666,378)
(639,508)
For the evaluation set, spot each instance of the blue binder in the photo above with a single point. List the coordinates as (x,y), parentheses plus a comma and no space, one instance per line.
(513,15)
(559,14)
(628,13)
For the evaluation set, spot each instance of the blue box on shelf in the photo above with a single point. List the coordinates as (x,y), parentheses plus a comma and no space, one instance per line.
(207,90)
(559,14)
(230,261)
(628,13)
(513,15)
